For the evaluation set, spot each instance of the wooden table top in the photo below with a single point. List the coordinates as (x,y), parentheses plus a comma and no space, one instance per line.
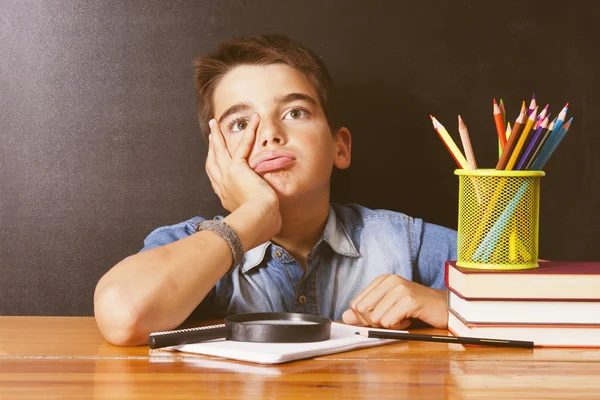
(67,358)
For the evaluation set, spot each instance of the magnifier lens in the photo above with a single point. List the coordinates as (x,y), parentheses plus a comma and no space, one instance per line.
(277,327)
(278,322)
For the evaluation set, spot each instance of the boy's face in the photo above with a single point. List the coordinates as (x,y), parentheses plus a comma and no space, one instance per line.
(294,150)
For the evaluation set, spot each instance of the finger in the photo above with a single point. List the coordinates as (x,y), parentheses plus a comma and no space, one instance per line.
(222,156)
(363,314)
(213,183)
(401,325)
(403,309)
(363,310)
(350,318)
(366,290)
(212,170)
(211,163)
(245,145)
(382,308)
(371,299)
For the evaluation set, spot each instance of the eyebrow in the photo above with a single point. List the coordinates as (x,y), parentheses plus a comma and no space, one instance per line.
(288,98)
(234,109)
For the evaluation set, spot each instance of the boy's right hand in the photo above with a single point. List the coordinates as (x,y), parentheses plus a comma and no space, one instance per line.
(251,200)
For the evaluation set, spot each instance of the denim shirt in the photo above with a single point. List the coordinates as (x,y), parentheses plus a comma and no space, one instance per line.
(358,245)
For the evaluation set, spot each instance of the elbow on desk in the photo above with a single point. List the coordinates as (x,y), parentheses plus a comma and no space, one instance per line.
(115,318)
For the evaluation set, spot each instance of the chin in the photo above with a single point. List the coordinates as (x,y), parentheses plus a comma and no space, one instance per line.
(282,183)
(289,187)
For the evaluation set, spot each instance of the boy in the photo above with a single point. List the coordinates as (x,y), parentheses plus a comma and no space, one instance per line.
(265,104)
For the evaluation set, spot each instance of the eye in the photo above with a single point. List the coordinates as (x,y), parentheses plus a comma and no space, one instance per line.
(297,113)
(238,125)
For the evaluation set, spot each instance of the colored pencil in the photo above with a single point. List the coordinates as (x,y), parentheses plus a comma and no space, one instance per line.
(544,159)
(532,105)
(535,140)
(499,125)
(466,142)
(489,242)
(450,145)
(520,143)
(552,136)
(561,117)
(420,337)
(539,147)
(512,140)
(540,118)
(502,112)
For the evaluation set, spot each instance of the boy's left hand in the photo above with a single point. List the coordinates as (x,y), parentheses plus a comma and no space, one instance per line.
(390,300)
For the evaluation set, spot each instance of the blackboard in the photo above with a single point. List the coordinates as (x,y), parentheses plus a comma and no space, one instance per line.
(100,142)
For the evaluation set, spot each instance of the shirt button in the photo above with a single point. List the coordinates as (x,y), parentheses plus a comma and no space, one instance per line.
(277,253)
(302,299)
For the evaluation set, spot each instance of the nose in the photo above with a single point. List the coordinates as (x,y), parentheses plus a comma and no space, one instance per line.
(270,132)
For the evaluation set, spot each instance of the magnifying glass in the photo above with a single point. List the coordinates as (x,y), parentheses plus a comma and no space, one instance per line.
(272,327)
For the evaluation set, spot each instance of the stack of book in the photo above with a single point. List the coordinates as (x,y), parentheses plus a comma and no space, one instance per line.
(555,305)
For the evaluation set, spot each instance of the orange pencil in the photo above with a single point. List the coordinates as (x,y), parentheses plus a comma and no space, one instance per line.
(450,145)
(523,108)
(512,140)
(466,142)
(499,125)
(522,139)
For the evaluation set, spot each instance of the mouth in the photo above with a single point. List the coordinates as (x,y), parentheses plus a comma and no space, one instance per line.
(274,164)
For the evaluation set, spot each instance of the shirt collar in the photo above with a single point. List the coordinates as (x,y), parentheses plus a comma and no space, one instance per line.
(335,235)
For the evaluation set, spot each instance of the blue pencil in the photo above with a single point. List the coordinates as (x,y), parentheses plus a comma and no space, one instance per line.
(488,244)
(561,117)
(557,128)
(541,161)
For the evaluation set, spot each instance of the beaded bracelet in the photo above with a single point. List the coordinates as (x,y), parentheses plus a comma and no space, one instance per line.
(226,232)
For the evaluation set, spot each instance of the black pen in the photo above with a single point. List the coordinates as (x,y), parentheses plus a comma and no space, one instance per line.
(186,336)
(447,339)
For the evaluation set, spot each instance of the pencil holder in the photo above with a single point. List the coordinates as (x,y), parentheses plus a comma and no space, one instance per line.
(498,219)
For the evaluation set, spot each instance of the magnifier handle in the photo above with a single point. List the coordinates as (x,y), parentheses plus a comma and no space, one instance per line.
(186,336)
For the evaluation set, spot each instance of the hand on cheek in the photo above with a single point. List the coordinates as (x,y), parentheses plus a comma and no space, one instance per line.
(230,175)
(253,203)
(390,301)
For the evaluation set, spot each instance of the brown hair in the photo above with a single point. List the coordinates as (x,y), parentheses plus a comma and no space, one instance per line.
(259,50)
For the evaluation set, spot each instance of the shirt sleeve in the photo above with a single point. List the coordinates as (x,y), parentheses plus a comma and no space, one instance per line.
(169,234)
(438,245)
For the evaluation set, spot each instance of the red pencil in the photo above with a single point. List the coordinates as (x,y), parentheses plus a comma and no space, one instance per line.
(510,144)
(499,125)
(541,117)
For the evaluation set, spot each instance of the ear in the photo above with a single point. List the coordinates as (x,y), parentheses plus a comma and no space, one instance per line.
(343,148)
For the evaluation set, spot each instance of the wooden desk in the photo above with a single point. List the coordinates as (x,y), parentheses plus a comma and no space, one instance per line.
(67,358)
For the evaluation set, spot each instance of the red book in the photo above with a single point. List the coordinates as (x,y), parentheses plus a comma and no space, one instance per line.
(553,280)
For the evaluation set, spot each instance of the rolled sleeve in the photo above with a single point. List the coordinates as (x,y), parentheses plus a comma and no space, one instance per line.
(438,245)
(169,234)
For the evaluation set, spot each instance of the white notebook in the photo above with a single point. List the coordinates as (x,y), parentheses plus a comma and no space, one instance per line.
(343,338)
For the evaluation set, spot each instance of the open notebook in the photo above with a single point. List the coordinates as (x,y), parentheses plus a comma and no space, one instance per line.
(343,338)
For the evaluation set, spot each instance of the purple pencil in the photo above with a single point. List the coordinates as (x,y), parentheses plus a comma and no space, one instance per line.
(533,143)
(532,105)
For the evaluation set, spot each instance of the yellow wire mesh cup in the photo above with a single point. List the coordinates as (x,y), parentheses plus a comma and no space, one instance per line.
(498,219)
